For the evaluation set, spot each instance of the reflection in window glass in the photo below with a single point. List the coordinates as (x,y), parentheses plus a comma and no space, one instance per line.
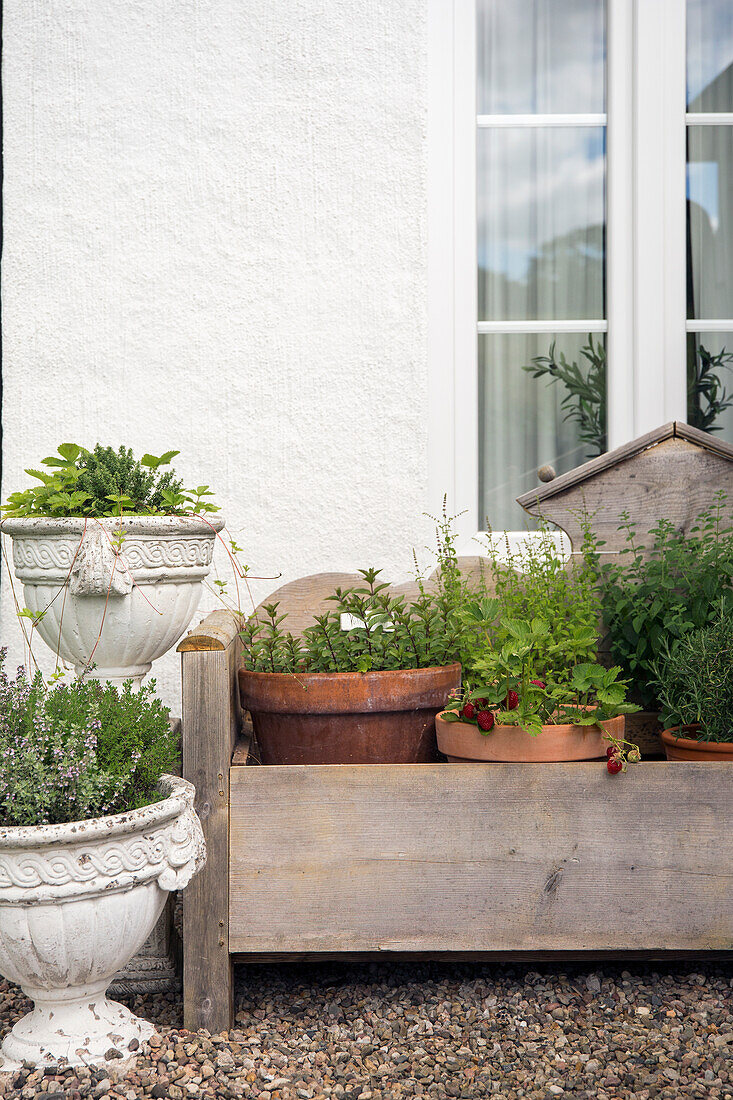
(710,222)
(523,423)
(709,55)
(541,56)
(710,382)
(541,223)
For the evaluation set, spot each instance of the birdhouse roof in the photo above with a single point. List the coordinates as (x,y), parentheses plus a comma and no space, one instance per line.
(597,467)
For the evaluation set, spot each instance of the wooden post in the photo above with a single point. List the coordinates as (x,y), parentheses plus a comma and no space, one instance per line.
(210,656)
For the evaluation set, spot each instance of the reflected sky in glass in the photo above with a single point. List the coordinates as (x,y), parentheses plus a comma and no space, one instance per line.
(710,221)
(541,56)
(541,217)
(710,55)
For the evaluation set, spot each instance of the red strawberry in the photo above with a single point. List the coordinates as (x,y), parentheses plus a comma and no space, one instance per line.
(481,704)
(614,764)
(512,700)
(485,719)
(469,711)
(538,683)
(610,751)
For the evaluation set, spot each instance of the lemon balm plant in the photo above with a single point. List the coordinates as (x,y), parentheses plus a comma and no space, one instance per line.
(653,597)
(112,553)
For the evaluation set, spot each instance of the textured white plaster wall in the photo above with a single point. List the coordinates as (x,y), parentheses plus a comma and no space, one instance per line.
(215,239)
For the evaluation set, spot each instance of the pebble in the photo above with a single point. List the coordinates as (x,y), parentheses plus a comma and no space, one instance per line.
(375,1031)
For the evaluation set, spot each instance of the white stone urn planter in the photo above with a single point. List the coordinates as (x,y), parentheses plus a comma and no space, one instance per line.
(76,902)
(140,588)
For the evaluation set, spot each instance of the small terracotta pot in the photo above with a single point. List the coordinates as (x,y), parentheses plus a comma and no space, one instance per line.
(685,748)
(463,743)
(347,717)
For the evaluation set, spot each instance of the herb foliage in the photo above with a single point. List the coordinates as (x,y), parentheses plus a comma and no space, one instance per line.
(653,598)
(694,679)
(537,664)
(104,482)
(79,751)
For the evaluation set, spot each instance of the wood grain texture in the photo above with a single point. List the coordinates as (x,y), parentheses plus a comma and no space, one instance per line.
(643,729)
(216,632)
(674,479)
(481,858)
(674,429)
(211,726)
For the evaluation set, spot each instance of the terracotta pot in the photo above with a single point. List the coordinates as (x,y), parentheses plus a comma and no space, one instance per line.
(463,743)
(685,748)
(347,717)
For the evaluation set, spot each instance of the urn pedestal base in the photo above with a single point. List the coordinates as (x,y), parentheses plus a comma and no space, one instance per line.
(77,1024)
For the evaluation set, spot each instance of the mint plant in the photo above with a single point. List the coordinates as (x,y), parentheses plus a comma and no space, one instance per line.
(74,752)
(386,632)
(104,482)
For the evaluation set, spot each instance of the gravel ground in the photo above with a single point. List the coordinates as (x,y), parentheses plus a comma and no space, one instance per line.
(379,1031)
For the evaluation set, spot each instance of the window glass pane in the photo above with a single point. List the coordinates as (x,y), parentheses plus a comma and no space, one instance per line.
(522,424)
(541,223)
(541,56)
(709,55)
(710,221)
(710,382)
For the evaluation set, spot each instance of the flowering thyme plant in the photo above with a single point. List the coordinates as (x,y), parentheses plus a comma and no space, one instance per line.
(71,753)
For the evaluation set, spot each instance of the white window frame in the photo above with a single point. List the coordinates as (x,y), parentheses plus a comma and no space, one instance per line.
(646,234)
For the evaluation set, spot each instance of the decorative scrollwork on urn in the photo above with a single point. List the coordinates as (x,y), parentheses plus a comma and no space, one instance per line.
(170,853)
(36,555)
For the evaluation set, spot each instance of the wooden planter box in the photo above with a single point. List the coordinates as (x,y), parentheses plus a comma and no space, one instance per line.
(434,858)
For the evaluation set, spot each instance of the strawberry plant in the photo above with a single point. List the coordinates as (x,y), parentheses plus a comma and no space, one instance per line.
(506,683)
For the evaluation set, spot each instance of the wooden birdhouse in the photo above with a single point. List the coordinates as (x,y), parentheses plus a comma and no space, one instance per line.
(674,473)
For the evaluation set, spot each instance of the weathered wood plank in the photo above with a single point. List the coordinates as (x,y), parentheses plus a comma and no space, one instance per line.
(675,429)
(481,858)
(211,724)
(216,632)
(673,479)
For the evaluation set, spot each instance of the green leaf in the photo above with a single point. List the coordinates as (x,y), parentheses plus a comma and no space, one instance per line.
(69,451)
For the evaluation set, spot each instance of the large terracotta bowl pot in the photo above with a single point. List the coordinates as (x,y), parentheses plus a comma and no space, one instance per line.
(687,748)
(463,743)
(347,717)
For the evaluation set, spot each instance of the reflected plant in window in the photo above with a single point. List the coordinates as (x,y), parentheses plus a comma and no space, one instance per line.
(707,397)
(585,399)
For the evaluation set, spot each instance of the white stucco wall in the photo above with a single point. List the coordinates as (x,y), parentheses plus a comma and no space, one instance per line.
(215,240)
